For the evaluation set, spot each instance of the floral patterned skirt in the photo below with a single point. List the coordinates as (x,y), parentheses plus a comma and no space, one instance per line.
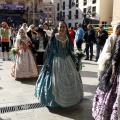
(106,104)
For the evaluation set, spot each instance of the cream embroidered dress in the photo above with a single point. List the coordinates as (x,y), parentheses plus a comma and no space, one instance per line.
(25,65)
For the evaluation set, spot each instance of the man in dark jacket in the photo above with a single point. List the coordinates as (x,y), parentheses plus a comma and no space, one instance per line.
(89,38)
(102,35)
(40,45)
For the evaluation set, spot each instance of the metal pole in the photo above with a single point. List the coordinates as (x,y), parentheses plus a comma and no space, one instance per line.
(33,12)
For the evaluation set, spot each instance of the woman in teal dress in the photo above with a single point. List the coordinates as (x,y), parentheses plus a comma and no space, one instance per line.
(59,83)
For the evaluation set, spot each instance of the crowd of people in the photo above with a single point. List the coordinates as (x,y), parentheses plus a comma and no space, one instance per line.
(59,83)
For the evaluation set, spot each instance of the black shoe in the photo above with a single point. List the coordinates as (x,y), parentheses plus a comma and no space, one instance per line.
(9,59)
(96,60)
(90,59)
(3,59)
(86,59)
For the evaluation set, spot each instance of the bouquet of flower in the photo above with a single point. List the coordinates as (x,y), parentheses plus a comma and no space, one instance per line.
(13,52)
(79,55)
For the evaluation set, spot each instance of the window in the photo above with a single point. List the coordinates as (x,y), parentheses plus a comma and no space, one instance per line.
(84,2)
(84,10)
(77,14)
(58,7)
(50,9)
(70,1)
(60,15)
(76,24)
(93,11)
(63,14)
(69,16)
(57,16)
(69,25)
(63,5)
(45,9)
(77,3)
(93,1)
(50,16)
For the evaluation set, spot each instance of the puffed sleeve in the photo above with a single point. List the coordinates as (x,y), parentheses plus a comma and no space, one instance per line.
(106,52)
(116,56)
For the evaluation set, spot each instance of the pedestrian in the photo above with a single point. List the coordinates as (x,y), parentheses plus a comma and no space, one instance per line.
(102,35)
(106,103)
(5,34)
(40,45)
(89,38)
(72,36)
(106,52)
(59,83)
(25,65)
(79,36)
(47,30)
(25,27)
(31,33)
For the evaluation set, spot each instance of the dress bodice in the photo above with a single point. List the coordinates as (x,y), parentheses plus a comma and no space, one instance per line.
(61,48)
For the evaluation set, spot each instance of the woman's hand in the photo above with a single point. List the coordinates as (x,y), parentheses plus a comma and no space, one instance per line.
(47,67)
(113,74)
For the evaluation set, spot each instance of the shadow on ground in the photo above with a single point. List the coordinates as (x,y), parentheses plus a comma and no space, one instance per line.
(1,88)
(89,74)
(30,81)
(77,112)
(88,63)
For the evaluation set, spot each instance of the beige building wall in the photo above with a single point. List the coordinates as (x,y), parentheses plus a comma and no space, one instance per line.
(116,12)
(106,11)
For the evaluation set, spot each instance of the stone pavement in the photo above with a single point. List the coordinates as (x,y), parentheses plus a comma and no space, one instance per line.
(19,95)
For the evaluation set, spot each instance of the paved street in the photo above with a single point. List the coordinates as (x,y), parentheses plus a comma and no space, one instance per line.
(19,95)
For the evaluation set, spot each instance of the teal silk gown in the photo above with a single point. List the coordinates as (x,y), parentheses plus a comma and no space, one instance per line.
(61,85)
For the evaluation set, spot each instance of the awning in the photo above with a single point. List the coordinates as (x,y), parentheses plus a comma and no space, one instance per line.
(15,6)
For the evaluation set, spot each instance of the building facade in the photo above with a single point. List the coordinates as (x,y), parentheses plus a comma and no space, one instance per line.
(71,10)
(29,11)
(48,10)
(116,12)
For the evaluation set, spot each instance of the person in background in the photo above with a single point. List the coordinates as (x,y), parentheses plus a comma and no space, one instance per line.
(102,35)
(25,65)
(40,45)
(25,27)
(47,30)
(13,36)
(59,83)
(89,38)
(72,36)
(31,33)
(40,26)
(79,36)
(5,34)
